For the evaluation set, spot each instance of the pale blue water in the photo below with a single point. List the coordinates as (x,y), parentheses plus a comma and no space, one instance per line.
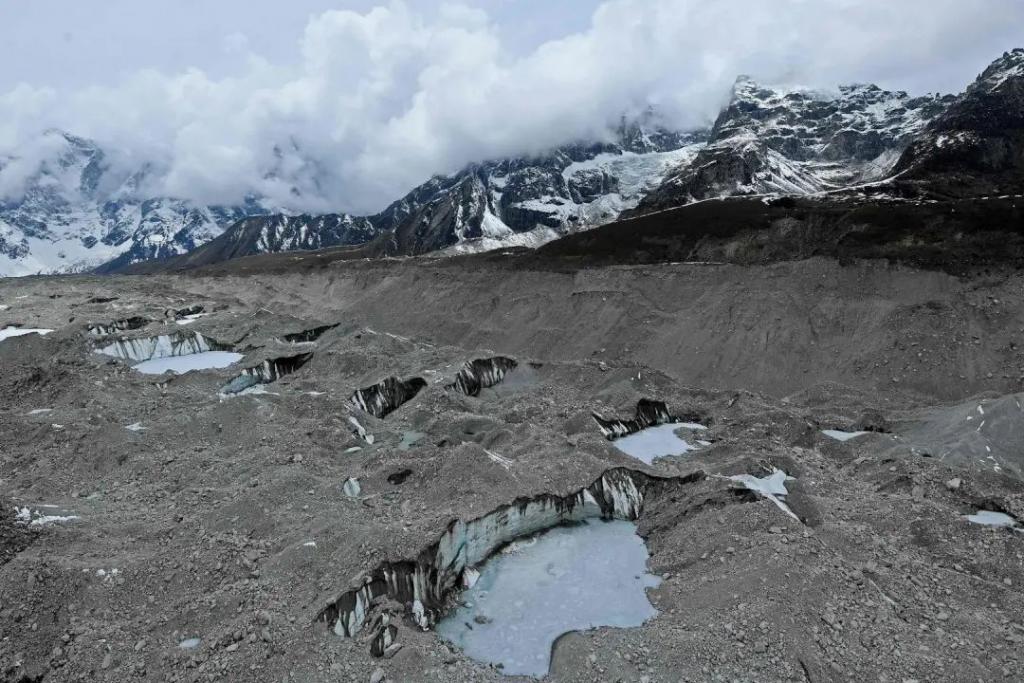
(192,361)
(570,579)
(656,442)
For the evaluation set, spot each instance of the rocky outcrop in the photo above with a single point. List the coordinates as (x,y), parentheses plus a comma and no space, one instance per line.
(383,398)
(482,373)
(427,582)
(977,146)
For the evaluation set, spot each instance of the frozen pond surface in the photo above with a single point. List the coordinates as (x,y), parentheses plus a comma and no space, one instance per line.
(8,332)
(990,518)
(192,361)
(839,435)
(569,579)
(657,442)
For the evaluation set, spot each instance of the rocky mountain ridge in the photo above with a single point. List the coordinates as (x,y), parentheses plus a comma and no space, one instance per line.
(523,201)
(797,142)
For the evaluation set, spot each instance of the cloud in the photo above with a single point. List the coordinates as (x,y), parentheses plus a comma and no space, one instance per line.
(378,101)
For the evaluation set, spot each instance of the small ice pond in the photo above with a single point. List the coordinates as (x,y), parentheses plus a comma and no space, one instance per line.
(567,579)
(657,442)
(840,435)
(193,361)
(990,518)
(9,332)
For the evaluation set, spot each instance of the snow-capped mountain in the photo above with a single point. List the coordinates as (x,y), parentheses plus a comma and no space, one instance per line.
(530,201)
(510,202)
(976,147)
(72,212)
(795,141)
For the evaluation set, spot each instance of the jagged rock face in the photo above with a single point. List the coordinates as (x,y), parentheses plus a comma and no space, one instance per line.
(75,213)
(797,142)
(382,399)
(977,146)
(648,414)
(266,372)
(482,373)
(429,580)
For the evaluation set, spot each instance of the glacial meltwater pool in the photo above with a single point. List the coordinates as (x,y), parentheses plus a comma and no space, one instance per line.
(192,361)
(657,442)
(992,518)
(566,579)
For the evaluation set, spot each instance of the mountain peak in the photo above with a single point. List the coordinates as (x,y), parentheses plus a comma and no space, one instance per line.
(1008,67)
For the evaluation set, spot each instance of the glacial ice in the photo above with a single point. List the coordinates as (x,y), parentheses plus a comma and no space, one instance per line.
(656,442)
(573,578)
(162,346)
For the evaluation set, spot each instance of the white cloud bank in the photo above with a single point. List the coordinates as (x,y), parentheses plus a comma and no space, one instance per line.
(381,100)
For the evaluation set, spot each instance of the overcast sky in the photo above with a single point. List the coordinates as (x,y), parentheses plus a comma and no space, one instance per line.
(356,101)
